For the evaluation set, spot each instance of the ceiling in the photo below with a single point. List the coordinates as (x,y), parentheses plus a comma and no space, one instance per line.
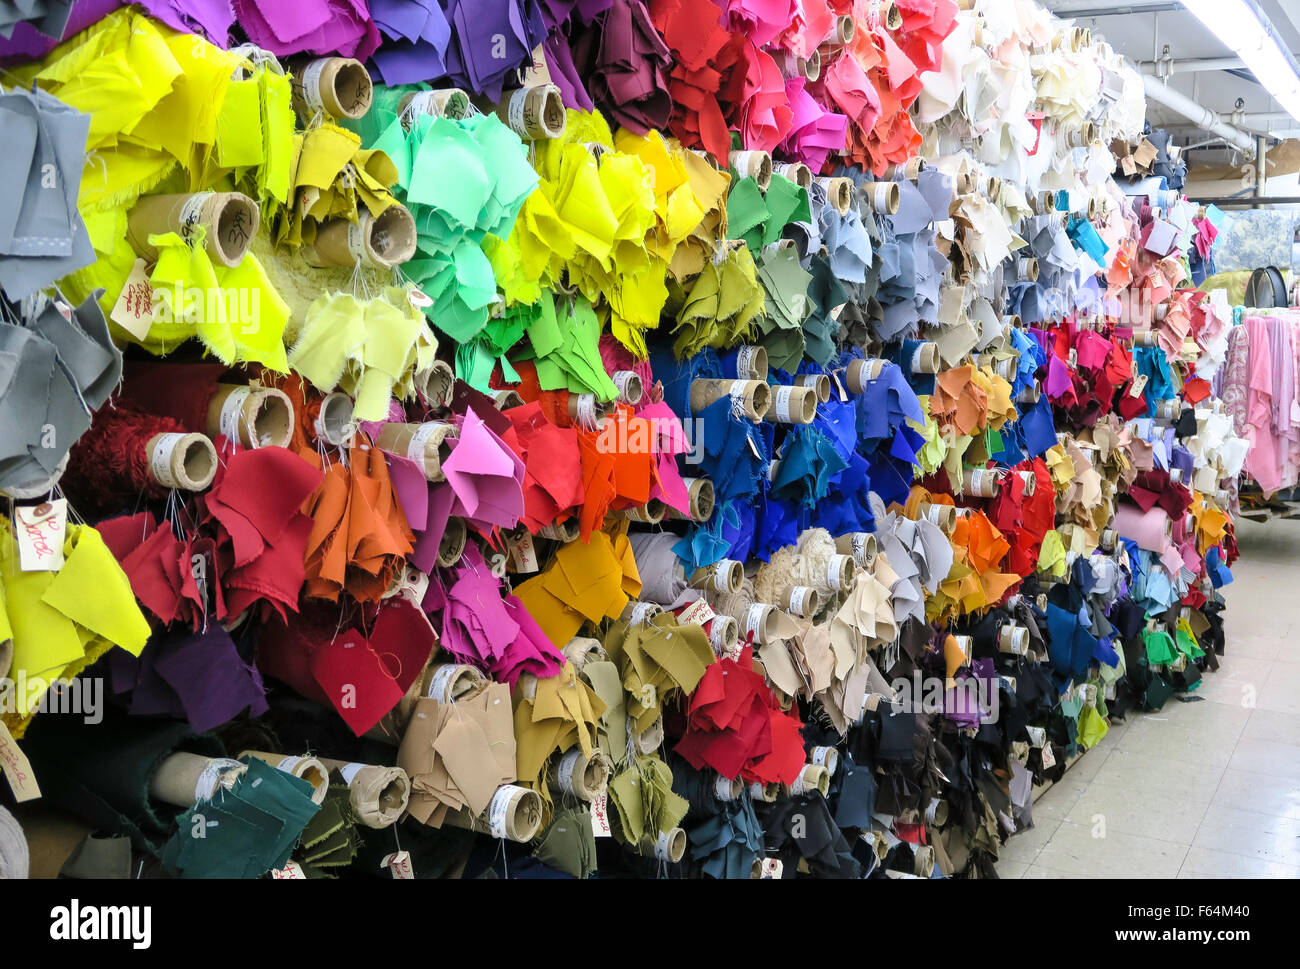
(1143,29)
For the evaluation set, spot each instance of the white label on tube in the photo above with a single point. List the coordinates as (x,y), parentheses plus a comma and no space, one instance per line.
(755,619)
(622,380)
(745,363)
(719,632)
(880,199)
(516,111)
(288,764)
(192,214)
(722,787)
(835,572)
(565,771)
(349,772)
(499,809)
(160,462)
(722,576)
(976,480)
(232,409)
(782,402)
(587,410)
(311,85)
(440,685)
(415,450)
(819,755)
(663,847)
(799,599)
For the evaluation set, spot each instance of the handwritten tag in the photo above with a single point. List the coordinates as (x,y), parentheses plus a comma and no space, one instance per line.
(133,310)
(419,299)
(697,612)
(15,766)
(772,868)
(523,555)
(600,816)
(1049,758)
(41,530)
(1139,384)
(399,864)
(290,870)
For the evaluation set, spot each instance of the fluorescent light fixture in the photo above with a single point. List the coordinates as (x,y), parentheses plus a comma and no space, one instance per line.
(1243,27)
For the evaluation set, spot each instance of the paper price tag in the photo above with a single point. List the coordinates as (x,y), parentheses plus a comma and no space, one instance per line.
(133,310)
(523,554)
(15,766)
(1139,384)
(772,868)
(399,864)
(698,612)
(40,531)
(1049,759)
(291,870)
(600,816)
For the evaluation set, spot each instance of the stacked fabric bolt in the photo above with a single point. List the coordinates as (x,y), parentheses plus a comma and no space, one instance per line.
(632,427)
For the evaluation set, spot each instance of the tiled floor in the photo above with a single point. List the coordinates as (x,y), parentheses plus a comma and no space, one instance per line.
(1199,790)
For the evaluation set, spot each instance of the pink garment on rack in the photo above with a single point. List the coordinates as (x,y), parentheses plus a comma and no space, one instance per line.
(1266,449)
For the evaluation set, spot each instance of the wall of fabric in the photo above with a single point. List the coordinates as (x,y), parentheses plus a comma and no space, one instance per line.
(704,438)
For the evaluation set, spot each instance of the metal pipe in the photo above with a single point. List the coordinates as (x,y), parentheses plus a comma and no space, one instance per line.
(1193,65)
(1091,8)
(1203,117)
(1261,159)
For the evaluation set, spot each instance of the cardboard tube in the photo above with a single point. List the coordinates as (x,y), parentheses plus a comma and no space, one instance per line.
(818,381)
(761,620)
(861,372)
(378,795)
(337,86)
(724,634)
(812,777)
(449,682)
(792,405)
(1027,268)
(185,461)
(452,546)
(253,416)
(839,573)
(535,113)
(565,531)
(727,788)
(651,738)
(751,362)
(827,757)
(1013,639)
(812,66)
(1044,203)
(308,769)
(588,412)
(979,482)
(428,445)
(925,359)
(883,196)
(334,421)
(581,650)
(584,777)
(435,384)
(802,601)
(701,493)
(860,545)
(945,516)
(229,221)
(450,103)
(753,397)
(183,779)
(725,575)
(753,164)
(1031,482)
(505,399)
(669,846)
(842,31)
(797,172)
(839,193)
(764,792)
(640,613)
(630,388)
(383,241)
(651,513)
